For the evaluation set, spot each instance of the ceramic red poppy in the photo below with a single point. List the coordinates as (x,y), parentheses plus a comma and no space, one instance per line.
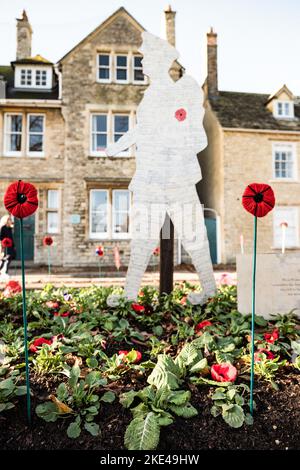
(100,251)
(47,241)
(180,114)
(21,199)
(7,242)
(258,199)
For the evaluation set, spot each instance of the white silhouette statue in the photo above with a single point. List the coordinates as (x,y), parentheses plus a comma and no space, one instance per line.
(168,135)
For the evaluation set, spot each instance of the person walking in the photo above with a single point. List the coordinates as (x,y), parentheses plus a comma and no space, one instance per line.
(7,246)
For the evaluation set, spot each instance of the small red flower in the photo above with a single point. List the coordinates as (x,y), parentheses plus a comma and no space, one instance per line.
(138,355)
(265,351)
(258,199)
(180,114)
(21,199)
(100,251)
(272,337)
(7,242)
(202,325)
(156,251)
(47,241)
(138,308)
(52,305)
(37,343)
(11,288)
(64,314)
(224,372)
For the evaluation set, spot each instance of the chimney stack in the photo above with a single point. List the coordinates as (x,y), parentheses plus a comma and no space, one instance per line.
(212,63)
(170,25)
(24,33)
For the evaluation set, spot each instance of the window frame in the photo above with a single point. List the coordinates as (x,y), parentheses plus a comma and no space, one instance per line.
(124,153)
(34,69)
(280,147)
(295,210)
(54,210)
(31,153)
(100,153)
(99,235)
(137,82)
(119,235)
(109,67)
(12,153)
(291,114)
(116,67)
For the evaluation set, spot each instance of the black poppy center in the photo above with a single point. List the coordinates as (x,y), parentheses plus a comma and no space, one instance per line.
(258,197)
(21,198)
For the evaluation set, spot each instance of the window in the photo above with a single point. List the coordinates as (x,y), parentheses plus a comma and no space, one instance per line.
(121,68)
(138,75)
(99,134)
(121,208)
(41,78)
(13,134)
(284,161)
(35,130)
(290,216)
(104,67)
(26,77)
(284,109)
(121,126)
(98,213)
(109,213)
(53,211)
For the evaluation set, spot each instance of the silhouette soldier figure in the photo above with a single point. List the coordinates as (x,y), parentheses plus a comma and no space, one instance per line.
(168,135)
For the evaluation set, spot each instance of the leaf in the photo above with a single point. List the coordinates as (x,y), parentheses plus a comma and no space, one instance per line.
(199,365)
(186,411)
(7,384)
(215,411)
(92,428)
(61,407)
(223,357)
(61,391)
(180,397)
(92,379)
(126,399)
(165,373)
(157,330)
(189,355)
(295,345)
(231,393)
(248,419)
(218,395)
(74,375)
(143,433)
(165,419)
(140,411)
(73,430)
(6,406)
(92,362)
(108,397)
(21,390)
(233,415)
(47,411)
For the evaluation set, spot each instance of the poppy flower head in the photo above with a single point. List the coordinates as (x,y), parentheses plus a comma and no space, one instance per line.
(100,251)
(12,288)
(258,199)
(7,242)
(156,251)
(138,308)
(47,241)
(180,114)
(21,199)
(224,372)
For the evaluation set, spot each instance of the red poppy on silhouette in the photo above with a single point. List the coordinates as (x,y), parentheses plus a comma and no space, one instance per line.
(47,241)
(100,251)
(156,251)
(180,114)
(11,288)
(37,343)
(202,325)
(7,242)
(21,199)
(258,199)
(138,308)
(272,337)
(224,372)
(138,355)
(265,351)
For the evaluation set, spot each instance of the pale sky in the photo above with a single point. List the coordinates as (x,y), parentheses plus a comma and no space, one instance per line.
(258,40)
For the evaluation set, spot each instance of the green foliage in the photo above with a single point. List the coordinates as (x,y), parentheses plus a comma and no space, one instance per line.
(10,390)
(48,361)
(229,402)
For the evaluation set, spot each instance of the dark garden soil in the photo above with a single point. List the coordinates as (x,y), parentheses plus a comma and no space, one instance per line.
(276,425)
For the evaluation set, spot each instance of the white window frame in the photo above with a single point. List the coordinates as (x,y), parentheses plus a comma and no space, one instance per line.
(116,67)
(137,82)
(34,69)
(7,152)
(125,153)
(57,210)
(120,235)
(280,147)
(26,70)
(291,209)
(32,153)
(284,103)
(100,235)
(109,67)
(100,153)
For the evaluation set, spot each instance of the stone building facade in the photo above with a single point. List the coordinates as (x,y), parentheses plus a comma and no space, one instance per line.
(56,121)
(251,138)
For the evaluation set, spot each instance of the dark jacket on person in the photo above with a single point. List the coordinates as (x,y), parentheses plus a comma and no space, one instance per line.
(6,232)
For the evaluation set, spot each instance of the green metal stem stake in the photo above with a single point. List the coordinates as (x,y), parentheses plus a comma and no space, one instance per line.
(99,265)
(253,314)
(49,262)
(25,322)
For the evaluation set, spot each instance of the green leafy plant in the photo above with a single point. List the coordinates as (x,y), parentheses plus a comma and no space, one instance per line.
(230,403)
(77,398)
(10,390)
(48,361)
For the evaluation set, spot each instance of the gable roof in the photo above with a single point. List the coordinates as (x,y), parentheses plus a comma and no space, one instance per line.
(122,11)
(283,89)
(249,111)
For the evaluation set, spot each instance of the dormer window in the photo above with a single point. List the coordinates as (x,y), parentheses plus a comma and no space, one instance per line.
(33,77)
(284,109)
